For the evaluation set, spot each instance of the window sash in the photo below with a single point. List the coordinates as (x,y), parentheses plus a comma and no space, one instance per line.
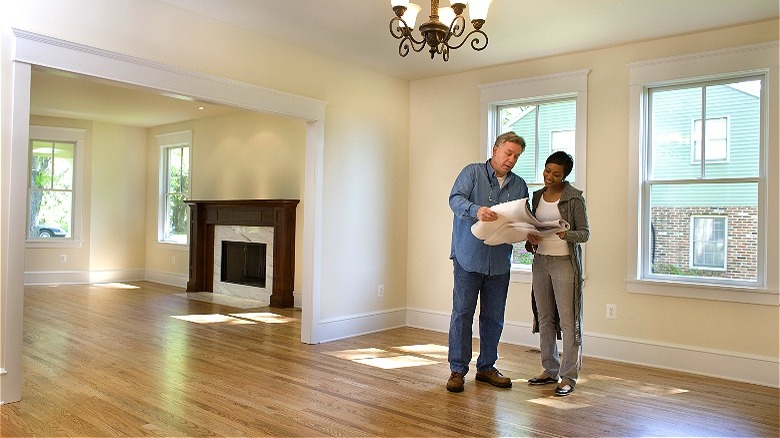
(704,180)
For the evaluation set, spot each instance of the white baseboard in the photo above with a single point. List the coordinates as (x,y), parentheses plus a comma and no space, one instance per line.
(354,325)
(45,278)
(759,370)
(167,278)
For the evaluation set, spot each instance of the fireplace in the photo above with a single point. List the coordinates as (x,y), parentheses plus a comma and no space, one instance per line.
(243,263)
(267,223)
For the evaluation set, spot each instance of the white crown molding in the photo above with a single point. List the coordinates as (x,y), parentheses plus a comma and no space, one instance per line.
(51,52)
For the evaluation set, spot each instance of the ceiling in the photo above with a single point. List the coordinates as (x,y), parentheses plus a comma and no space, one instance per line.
(517,30)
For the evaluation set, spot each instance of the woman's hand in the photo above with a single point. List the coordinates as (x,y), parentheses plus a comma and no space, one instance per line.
(534,239)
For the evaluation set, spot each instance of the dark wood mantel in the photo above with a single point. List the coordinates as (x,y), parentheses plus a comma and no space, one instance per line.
(277,213)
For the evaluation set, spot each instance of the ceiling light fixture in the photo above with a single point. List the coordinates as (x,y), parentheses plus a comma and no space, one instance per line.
(436,34)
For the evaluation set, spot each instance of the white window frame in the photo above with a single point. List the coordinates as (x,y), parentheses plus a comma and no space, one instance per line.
(534,89)
(165,142)
(65,135)
(753,60)
(692,242)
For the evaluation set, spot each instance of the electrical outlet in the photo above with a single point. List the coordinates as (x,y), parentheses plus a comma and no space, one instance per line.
(380,290)
(611,311)
(63,258)
(173,260)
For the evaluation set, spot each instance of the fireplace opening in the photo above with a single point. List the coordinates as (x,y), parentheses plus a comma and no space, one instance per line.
(243,263)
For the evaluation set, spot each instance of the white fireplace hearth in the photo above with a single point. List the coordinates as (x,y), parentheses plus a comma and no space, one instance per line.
(244,234)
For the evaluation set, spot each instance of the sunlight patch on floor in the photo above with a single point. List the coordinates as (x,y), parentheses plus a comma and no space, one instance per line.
(392,362)
(115,286)
(212,319)
(265,317)
(559,402)
(430,350)
(379,358)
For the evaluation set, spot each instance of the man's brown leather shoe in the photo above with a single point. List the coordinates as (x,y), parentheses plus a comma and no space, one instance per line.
(495,378)
(455,382)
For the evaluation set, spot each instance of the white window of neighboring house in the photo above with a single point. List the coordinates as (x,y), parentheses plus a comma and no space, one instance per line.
(173,225)
(717,140)
(699,211)
(708,242)
(549,112)
(54,186)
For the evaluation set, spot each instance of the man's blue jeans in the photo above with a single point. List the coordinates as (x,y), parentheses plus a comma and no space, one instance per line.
(492,291)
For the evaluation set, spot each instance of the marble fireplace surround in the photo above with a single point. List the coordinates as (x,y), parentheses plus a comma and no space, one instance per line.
(206,215)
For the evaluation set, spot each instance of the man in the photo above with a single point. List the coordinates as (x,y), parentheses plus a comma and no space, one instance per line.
(481,271)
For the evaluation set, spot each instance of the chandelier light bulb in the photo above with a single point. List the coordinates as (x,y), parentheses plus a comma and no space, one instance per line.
(478,9)
(410,16)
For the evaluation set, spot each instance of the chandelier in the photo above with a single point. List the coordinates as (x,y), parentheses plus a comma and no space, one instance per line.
(443,26)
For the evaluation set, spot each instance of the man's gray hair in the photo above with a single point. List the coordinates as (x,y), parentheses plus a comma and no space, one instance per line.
(511,137)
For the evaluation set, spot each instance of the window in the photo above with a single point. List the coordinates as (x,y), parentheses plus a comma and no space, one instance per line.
(708,242)
(549,113)
(680,190)
(53,192)
(174,186)
(701,195)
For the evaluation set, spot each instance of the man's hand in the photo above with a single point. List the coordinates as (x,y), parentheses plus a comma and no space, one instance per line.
(485,214)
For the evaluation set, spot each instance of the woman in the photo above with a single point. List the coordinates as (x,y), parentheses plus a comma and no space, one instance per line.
(556,296)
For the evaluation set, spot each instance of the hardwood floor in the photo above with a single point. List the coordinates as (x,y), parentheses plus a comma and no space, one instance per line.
(145,361)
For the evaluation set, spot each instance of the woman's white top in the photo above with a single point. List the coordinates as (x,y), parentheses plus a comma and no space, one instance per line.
(552,244)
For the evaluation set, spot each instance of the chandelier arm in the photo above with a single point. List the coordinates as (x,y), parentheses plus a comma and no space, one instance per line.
(457,27)
(399,29)
(475,42)
(406,43)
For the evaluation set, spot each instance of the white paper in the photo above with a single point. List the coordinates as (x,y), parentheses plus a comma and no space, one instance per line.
(515,222)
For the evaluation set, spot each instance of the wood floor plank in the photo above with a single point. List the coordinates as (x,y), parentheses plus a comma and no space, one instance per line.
(143,360)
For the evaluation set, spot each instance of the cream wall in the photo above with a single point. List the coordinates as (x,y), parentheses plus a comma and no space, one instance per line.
(727,329)
(118,186)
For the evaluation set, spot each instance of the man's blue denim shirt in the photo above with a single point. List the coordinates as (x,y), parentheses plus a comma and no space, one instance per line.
(477,186)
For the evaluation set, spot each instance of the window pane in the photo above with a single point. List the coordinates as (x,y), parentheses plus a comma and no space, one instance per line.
(174,170)
(672,115)
(62,170)
(50,214)
(41,164)
(176,224)
(671,245)
(733,121)
(546,127)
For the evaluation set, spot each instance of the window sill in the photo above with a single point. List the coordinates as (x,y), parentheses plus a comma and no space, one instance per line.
(172,246)
(53,243)
(745,295)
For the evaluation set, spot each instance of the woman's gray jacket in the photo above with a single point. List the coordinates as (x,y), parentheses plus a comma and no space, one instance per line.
(572,209)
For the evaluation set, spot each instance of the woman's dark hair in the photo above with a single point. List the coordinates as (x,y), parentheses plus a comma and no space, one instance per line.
(561,158)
